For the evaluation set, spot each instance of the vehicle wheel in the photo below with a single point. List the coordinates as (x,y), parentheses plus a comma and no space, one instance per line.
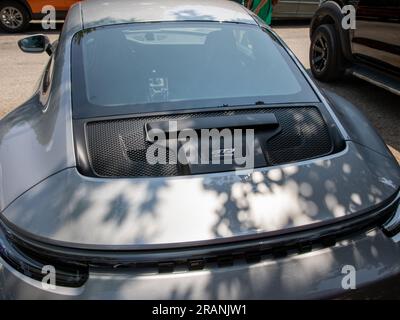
(326,56)
(14,17)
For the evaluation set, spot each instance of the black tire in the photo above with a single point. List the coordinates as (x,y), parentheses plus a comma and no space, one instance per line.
(326,57)
(14,16)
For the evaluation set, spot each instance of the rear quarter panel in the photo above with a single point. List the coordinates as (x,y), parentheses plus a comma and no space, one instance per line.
(36,140)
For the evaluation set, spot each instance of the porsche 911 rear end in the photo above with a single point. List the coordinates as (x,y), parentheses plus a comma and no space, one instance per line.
(189,155)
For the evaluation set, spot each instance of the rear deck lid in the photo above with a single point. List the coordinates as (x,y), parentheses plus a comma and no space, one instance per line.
(79,211)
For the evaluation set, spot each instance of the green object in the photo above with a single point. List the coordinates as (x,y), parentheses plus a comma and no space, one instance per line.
(265,12)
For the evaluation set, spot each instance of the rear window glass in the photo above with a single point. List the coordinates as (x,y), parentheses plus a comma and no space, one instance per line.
(166,63)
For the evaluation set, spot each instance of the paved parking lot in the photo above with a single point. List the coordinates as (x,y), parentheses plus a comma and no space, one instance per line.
(20,72)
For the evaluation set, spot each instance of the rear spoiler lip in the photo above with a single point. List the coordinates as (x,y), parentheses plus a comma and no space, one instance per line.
(255,120)
(325,233)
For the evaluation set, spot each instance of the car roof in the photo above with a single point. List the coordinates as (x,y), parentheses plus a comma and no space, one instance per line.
(102,12)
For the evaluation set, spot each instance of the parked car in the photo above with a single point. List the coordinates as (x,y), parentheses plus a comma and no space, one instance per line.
(15,15)
(370,51)
(292,9)
(79,194)
(295,9)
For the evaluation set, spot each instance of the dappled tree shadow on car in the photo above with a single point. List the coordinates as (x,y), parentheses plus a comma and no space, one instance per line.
(234,215)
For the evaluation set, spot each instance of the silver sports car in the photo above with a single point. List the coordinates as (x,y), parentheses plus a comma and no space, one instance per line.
(296,197)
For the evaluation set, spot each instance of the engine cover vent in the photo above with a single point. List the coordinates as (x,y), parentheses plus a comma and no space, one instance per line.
(117,148)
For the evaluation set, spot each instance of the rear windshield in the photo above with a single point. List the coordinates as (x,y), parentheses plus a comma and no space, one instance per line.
(147,65)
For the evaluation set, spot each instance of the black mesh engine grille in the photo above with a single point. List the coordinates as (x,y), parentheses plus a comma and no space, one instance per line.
(117,148)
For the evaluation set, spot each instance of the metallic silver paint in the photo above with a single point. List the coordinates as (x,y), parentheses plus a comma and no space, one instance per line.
(46,133)
(158,211)
(36,140)
(312,275)
(34,143)
(394,223)
(44,195)
(48,137)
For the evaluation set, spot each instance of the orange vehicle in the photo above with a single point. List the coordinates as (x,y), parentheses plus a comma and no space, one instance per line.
(15,15)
